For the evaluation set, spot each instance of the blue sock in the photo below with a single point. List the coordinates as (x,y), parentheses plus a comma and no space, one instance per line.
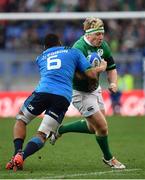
(33,146)
(18,144)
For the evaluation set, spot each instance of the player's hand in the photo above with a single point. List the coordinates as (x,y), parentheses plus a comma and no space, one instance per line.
(113,87)
(103,65)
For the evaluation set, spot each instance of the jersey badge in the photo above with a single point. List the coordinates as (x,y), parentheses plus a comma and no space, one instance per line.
(100,52)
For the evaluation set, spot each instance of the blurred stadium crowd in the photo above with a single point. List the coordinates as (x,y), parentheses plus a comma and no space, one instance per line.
(124,36)
(70,5)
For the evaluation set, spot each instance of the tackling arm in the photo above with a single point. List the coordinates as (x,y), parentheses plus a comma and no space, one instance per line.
(92,72)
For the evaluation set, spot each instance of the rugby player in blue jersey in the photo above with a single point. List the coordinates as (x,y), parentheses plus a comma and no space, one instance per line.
(57,65)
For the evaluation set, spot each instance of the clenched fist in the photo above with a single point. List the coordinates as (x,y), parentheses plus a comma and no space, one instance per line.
(113,87)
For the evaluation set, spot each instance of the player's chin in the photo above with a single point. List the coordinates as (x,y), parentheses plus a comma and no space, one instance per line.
(98,43)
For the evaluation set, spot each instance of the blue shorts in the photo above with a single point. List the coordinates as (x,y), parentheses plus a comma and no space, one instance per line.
(52,104)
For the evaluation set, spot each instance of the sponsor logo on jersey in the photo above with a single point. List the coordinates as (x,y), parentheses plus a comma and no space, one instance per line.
(30,107)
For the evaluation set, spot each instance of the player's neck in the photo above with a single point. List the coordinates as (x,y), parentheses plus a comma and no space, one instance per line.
(87,41)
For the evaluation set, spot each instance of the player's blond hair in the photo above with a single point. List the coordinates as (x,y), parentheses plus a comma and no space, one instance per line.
(93,23)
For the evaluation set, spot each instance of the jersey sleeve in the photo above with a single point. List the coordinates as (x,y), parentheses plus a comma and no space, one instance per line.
(82,63)
(110,64)
(108,57)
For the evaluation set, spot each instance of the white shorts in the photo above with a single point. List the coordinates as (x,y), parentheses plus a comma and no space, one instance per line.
(88,103)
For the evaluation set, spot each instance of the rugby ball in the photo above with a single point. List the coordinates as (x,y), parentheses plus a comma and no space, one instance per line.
(94,59)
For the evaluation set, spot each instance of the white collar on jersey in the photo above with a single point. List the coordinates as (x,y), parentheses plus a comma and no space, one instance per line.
(86,40)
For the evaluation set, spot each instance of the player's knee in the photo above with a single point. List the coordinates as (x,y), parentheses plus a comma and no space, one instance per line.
(48,126)
(25,116)
(103,131)
(22,117)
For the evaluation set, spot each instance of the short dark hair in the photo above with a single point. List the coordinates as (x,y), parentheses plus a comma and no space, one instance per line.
(51,40)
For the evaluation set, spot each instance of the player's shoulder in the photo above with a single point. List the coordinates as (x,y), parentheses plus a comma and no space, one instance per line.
(70,49)
(39,57)
(79,42)
(76,50)
(67,47)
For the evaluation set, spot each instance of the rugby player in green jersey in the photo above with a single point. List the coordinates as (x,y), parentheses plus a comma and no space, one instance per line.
(87,94)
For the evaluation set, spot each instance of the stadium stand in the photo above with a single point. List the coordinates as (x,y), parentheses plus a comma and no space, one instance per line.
(25,37)
(71,5)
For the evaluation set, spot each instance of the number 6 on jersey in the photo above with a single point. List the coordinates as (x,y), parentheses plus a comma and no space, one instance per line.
(53,62)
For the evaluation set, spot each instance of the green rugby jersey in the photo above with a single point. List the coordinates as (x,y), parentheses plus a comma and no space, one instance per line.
(85,84)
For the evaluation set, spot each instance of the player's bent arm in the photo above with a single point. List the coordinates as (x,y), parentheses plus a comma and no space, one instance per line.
(102,67)
(112,79)
(92,72)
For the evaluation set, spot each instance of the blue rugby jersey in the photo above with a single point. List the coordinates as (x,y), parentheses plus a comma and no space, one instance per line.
(57,66)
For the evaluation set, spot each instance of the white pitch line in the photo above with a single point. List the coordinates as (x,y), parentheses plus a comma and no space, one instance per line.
(91,173)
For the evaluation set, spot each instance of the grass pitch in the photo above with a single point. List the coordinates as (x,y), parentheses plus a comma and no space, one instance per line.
(77,156)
